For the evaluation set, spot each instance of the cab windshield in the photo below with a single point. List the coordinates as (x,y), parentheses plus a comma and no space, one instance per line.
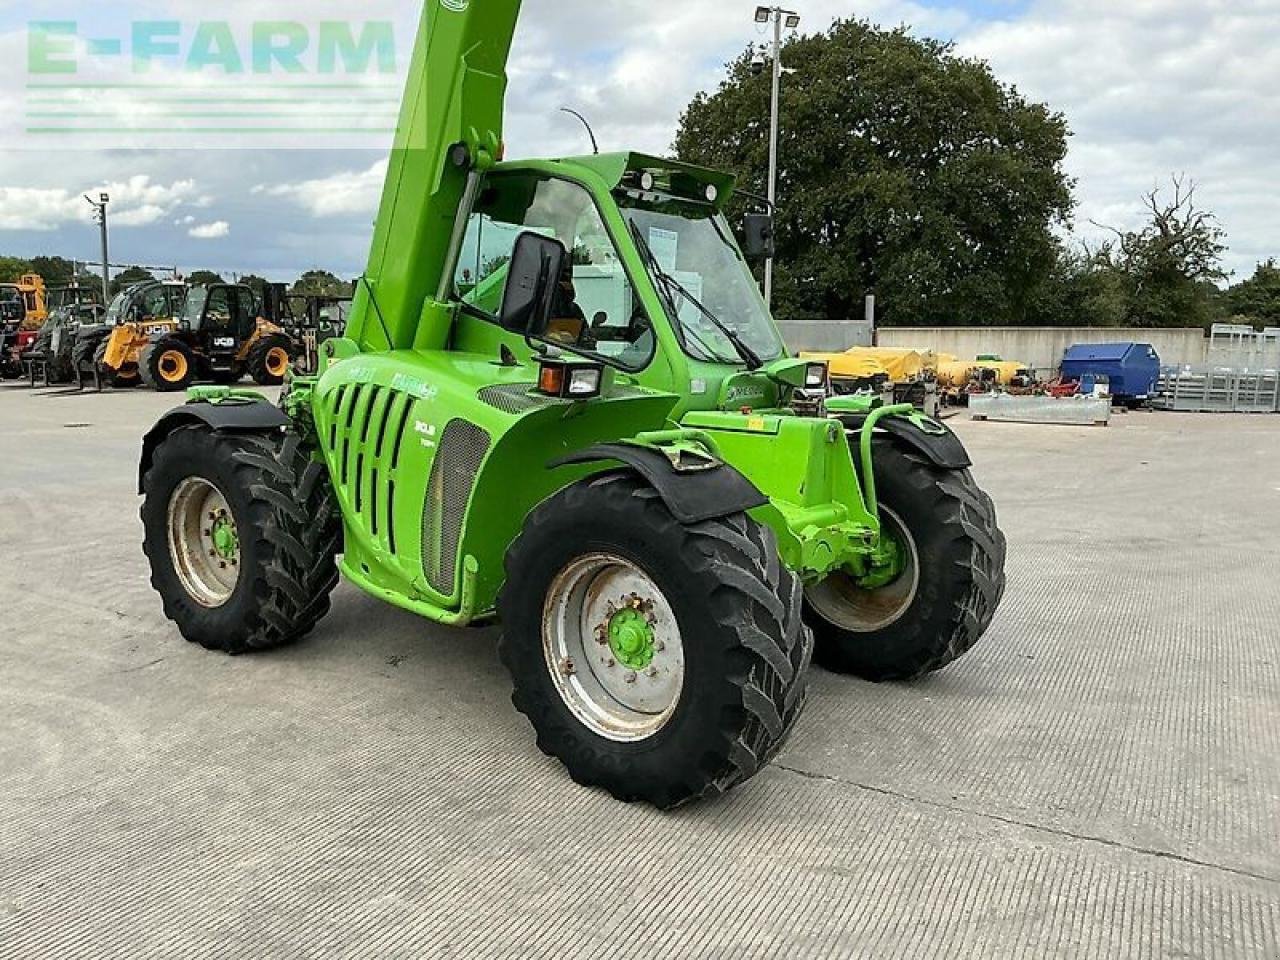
(704,279)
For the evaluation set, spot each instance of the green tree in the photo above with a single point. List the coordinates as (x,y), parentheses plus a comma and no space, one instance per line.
(204,278)
(255,283)
(128,277)
(56,271)
(1173,263)
(1084,288)
(905,170)
(11,268)
(321,283)
(1258,298)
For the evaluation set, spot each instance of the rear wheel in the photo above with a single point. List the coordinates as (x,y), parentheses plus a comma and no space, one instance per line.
(269,361)
(242,533)
(167,366)
(951,583)
(127,376)
(660,661)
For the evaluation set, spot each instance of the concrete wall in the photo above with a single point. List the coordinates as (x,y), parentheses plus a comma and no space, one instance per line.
(826,336)
(1043,347)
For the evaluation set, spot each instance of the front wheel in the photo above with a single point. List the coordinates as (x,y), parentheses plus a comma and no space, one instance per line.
(167,366)
(663,662)
(952,556)
(269,361)
(242,531)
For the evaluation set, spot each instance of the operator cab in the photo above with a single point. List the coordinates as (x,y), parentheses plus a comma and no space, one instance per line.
(659,224)
(222,318)
(594,305)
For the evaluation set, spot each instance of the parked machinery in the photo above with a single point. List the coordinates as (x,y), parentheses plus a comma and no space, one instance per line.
(23,310)
(910,374)
(960,379)
(51,357)
(111,352)
(310,320)
(219,337)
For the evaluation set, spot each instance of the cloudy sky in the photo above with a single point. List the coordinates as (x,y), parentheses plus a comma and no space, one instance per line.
(1150,88)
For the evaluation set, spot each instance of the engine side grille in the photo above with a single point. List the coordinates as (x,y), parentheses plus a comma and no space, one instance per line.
(463,447)
(366,426)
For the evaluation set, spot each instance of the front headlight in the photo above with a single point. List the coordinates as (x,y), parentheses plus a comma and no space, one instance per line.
(815,377)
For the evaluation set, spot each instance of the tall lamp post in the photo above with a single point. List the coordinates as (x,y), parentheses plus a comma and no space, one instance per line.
(778,17)
(100,213)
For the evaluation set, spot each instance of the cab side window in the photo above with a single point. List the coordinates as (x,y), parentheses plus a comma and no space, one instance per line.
(156,304)
(595,306)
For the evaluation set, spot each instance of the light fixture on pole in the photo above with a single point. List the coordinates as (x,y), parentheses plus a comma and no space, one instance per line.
(778,17)
(100,210)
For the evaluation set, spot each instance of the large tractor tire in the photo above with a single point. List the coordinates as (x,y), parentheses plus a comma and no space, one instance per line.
(269,360)
(942,603)
(122,379)
(61,344)
(167,366)
(663,662)
(242,532)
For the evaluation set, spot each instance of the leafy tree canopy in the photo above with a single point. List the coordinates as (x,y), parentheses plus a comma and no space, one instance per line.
(204,277)
(904,170)
(321,283)
(1257,299)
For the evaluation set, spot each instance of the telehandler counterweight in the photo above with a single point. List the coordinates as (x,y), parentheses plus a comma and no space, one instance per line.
(562,403)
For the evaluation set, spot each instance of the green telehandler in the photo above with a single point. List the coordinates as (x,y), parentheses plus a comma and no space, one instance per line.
(561,403)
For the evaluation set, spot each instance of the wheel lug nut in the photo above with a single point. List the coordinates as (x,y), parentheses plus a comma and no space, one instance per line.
(567,667)
(659,646)
(611,663)
(653,673)
(631,677)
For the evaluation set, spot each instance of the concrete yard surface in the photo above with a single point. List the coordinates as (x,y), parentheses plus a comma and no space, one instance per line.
(1099,778)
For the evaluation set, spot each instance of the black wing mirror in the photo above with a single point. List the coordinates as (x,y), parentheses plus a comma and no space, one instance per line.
(757,231)
(536,265)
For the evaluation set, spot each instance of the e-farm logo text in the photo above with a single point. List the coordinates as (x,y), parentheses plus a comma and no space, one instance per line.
(170,78)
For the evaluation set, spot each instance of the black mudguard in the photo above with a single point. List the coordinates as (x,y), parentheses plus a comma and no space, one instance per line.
(227,417)
(938,442)
(691,496)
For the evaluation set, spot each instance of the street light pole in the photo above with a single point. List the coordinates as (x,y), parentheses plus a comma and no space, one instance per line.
(773,142)
(775,15)
(100,209)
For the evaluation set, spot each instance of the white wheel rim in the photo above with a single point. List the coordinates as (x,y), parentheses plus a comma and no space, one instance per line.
(841,602)
(620,702)
(198,518)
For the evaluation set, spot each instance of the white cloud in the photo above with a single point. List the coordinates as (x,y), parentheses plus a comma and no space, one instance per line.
(136,202)
(1150,88)
(210,231)
(1154,88)
(350,192)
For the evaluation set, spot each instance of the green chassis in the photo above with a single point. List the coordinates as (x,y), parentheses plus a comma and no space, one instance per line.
(431,538)
(438,452)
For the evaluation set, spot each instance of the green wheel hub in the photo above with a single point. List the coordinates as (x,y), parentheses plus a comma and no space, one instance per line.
(631,638)
(226,542)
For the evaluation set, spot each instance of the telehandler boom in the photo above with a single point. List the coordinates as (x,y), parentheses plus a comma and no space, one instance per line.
(562,403)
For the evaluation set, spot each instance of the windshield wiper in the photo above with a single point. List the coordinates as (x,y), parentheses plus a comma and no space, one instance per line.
(745,353)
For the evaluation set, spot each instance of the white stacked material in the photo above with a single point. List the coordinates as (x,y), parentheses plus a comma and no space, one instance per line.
(1071,411)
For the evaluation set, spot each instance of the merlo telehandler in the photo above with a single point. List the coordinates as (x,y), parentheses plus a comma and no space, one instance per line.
(561,403)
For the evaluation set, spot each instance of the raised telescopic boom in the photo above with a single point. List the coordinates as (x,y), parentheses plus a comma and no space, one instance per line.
(450,132)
